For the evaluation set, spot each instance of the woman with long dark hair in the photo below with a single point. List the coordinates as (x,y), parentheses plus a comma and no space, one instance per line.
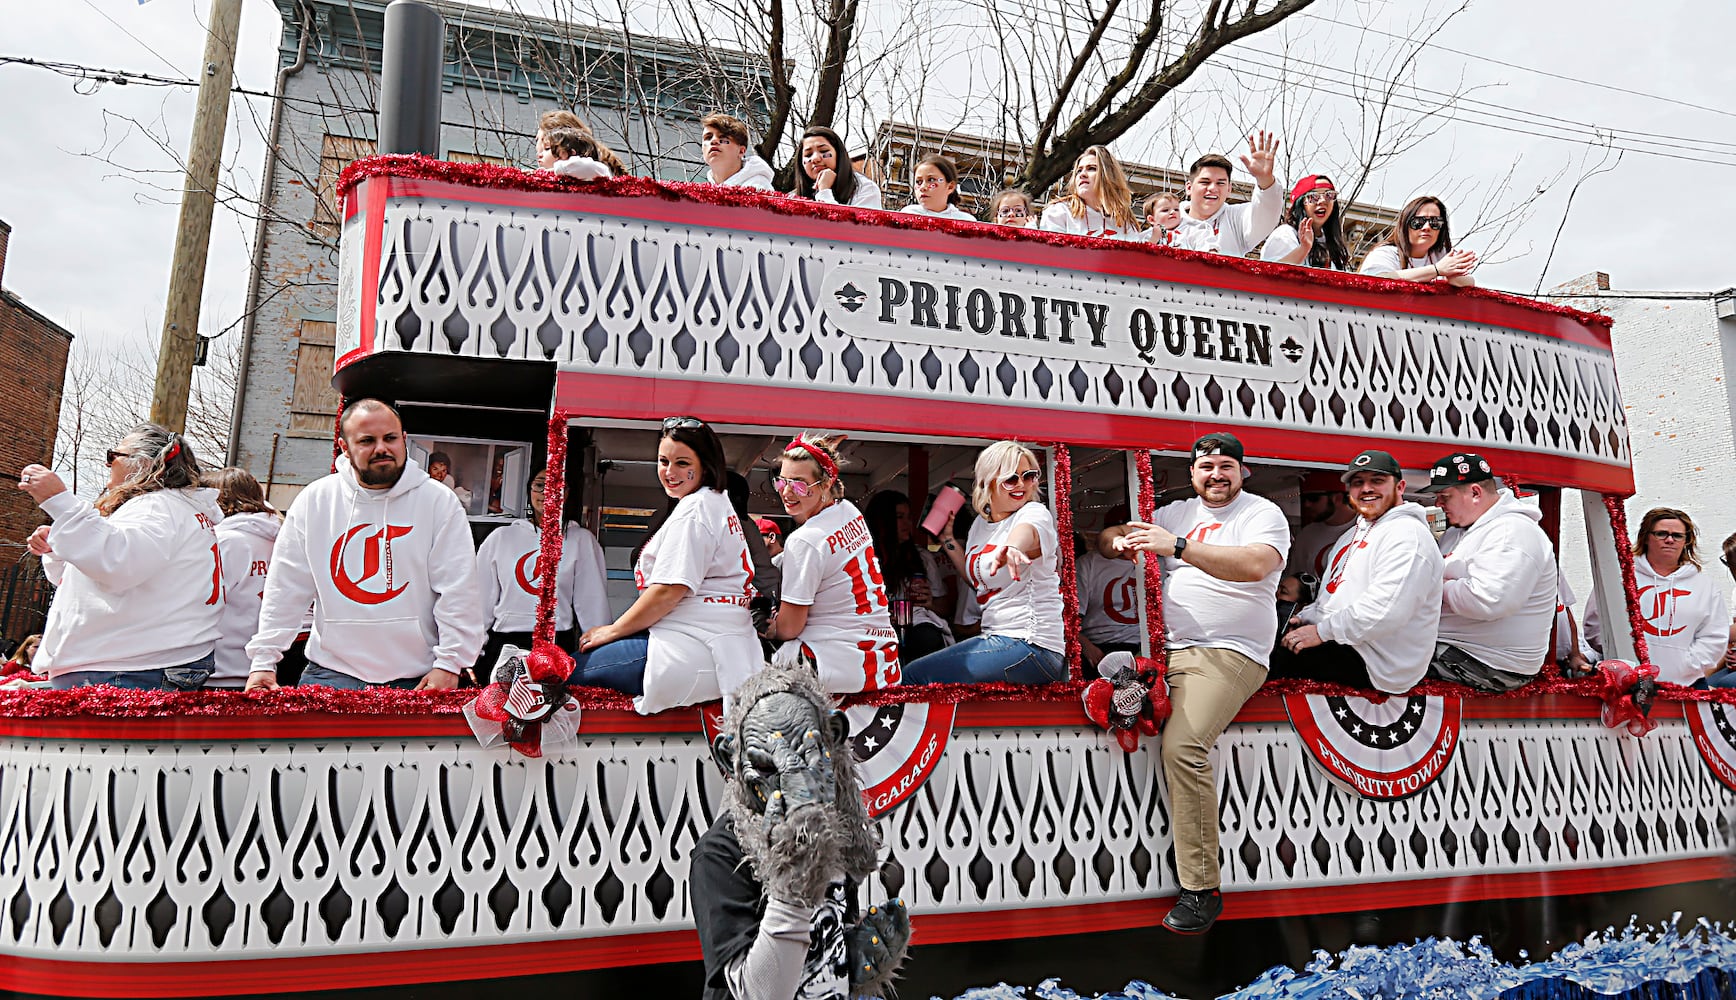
(1420,247)
(245,539)
(1312,234)
(826,174)
(689,637)
(911,573)
(140,585)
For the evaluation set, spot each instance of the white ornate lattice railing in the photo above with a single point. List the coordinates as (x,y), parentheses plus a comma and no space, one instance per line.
(141,850)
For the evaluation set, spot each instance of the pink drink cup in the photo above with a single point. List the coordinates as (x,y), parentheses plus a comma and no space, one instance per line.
(946,502)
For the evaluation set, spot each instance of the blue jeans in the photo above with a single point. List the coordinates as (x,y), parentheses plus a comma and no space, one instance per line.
(988,658)
(619,665)
(327,677)
(186,677)
(1723,678)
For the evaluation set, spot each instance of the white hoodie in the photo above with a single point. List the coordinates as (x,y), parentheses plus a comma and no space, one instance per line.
(581,168)
(1382,596)
(1233,230)
(1498,601)
(867,194)
(1687,626)
(391,575)
(245,540)
(1058,217)
(949,212)
(138,590)
(510,574)
(754,173)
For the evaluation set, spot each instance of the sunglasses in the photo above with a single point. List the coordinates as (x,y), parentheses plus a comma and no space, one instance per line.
(1017,212)
(1431,222)
(1320,197)
(1027,479)
(110,456)
(1670,536)
(682,423)
(796,486)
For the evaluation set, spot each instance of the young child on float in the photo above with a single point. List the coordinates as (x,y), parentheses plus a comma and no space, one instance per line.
(572,153)
(1015,208)
(937,190)
(1163,215)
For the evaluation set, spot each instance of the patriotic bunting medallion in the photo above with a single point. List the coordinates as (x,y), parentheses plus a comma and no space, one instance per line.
(1714,727)
(897,746)
(1386,750)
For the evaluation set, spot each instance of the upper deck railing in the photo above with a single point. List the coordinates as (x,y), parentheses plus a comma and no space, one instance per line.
(1090,340)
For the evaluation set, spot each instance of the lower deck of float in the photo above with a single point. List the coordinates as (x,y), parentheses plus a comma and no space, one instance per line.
(212,856)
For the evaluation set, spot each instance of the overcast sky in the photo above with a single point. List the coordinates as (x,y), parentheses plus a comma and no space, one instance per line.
(91,241)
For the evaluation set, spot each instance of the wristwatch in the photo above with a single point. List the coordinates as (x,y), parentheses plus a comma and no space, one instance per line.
(1180,546)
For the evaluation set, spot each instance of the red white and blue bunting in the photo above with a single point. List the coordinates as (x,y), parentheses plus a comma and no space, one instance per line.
(1388,749)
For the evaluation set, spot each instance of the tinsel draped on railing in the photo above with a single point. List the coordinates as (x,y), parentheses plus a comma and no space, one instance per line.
(1066,563)
(1153,569)
(1624,555)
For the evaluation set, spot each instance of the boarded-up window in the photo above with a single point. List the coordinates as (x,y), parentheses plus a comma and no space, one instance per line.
(313,404)
(336,152)
(457,156)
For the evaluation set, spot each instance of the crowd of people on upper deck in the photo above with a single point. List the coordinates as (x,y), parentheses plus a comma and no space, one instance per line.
(1306,228)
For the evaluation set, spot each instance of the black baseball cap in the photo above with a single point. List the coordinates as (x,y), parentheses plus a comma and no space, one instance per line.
(1217,443)
(1372,460)
(1458,470)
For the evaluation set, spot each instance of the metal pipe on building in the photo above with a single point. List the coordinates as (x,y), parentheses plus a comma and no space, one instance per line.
(412,61)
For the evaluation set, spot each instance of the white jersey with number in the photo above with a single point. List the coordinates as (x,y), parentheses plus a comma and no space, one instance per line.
(1029,607)
(830,568)
(1109,599)
(1201,610)
(705,647)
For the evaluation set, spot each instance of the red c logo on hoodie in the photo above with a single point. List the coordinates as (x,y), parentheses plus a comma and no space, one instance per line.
(532,581)
(1663,609)
(371,563)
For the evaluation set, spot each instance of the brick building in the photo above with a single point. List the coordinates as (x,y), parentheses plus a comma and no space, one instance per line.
(33,350)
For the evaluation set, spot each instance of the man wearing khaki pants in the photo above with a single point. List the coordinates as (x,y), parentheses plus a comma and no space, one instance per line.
(1223,551)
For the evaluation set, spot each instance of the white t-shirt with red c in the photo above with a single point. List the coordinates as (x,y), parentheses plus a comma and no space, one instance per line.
(1109,599)
(830,567)
(1201,610)
(1028,608)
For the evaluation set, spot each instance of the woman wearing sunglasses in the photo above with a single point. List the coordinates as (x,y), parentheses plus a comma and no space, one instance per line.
(1687,623)
(689,637)
(833,606)
(1420,248)
(1311,234)
(140,586)
(1011,561)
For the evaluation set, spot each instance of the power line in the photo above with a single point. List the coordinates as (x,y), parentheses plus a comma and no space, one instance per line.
(132,36)
(95,74)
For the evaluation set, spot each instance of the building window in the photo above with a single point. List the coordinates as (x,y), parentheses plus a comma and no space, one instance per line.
(457,156)
(313,403)
(335,153)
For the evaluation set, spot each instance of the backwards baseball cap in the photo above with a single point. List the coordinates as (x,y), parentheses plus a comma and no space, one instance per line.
(1372,460)
(1457,470)
(1217,443)
(769,527)
(1311,183)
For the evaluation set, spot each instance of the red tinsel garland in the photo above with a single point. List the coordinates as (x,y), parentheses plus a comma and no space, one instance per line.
(553,516)
(338,432)
(1153,569)
(487,175)
(1624,555)
(1069,567)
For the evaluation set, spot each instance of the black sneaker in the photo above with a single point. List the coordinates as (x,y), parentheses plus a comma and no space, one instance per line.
(1195,911)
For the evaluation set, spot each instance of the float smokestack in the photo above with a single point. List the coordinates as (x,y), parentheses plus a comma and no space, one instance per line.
(412,59)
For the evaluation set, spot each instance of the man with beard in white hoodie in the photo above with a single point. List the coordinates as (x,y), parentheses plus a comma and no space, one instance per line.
(384,555)
(1209,224)
(728,160)
(1498,598)
(1379,610)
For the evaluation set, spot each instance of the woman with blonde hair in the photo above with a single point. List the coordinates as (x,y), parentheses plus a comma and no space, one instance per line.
(1098,202)
(833,606)
(139,586)
(1011,560)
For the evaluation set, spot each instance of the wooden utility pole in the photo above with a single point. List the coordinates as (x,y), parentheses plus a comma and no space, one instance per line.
(193,236)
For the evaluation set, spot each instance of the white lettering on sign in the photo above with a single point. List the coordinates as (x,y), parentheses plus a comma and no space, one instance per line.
(1066,314)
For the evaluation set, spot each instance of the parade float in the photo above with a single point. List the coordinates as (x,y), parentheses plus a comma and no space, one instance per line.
(308,840)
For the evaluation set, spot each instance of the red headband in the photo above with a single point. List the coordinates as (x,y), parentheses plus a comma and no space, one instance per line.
(823,460)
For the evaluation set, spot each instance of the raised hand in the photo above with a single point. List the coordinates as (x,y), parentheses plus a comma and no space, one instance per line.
(876,947)
(1012,557)
(40,482)
(38,542)
(1261,158)
(823,182)
(1305,237)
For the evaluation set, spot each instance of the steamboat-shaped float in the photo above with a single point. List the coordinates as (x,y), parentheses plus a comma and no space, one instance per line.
(207,844)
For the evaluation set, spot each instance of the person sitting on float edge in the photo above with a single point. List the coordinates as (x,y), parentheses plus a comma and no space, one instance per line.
(1499,589)
(1326,515)
(509,571)
(1725,676)
(139,595)
(911,573)
(1420,248)
(1375,622)
(1098,202)
(936,185)
(1222,551)
(773,537)
(1014,208)
(728,160)
(689,638)
(1688,622)
(1162,215)
(833,606)
(245,538)
(828,176)
(1109,594)
(552,120)
(384,555)
(1313,233)
(573,153)
(767,568)
(1011,562)
(1209,223)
